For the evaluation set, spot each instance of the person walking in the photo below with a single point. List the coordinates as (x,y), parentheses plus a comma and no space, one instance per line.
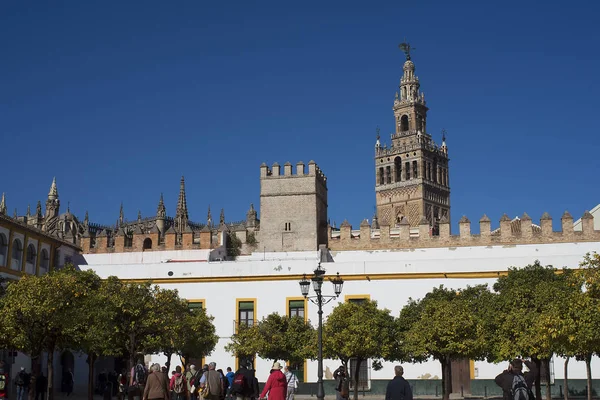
(276,386)
(514,383)
(156,387)
(242,386)
(211,380)
(69,381)
(229,376)
(32,387)
(178,385)
(292,383)
(21,381)
(343,385)
(398,388)
(41,386)
(137,379)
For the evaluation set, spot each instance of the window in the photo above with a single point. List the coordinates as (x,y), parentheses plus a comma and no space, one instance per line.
(363,374)
(381,176)
(3,249)
(56,260)
(30,260)
(296,307)
(195,304)
(357,298)
(388,174)
(147,244)
(16,255)
(246,310)
(415,170)
(398,168)
(287,226)
(44,262)
(407,170)
(404,123)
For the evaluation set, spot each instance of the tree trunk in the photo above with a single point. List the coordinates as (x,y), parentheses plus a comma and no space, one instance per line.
(566,382)
(91,361)
(538,387)
(168,363)
(50,393)
(588,370)
(546,362)
(448,378)
(357,377)
(443,378)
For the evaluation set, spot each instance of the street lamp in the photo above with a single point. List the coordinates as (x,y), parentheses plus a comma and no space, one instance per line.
(319,299)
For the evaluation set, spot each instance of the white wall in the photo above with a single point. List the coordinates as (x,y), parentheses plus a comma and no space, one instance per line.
(394,278)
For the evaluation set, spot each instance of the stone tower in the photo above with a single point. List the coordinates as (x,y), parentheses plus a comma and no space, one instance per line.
(293,208)
(412,174)
(52,203)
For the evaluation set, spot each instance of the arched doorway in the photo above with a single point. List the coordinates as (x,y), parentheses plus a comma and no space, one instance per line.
(147,244)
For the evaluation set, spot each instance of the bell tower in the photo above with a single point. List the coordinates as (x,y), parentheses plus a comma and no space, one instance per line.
(412,178)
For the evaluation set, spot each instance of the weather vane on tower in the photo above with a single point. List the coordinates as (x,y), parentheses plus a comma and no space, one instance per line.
(405,47)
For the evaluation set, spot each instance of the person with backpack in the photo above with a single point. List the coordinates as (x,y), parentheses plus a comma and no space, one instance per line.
(398,388)
(192,377)
(137,380)
(210,383)
(343,384)
(242,386)
(224,382)
(22,380)
(178,385)
(515,384)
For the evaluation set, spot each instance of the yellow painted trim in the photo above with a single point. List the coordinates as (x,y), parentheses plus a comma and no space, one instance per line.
(472,369)
(357,297)
(356,277)
(287,306)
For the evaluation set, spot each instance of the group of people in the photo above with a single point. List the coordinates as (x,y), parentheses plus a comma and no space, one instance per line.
(208,383)
(27,386)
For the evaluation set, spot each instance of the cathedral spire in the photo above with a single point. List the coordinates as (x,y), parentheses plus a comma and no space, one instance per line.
(121,215)
(161,211)
(3,204)
(28,211)
(86,219)
(38,209)
(181,215)
(209,217)
(53,193)
(222,217)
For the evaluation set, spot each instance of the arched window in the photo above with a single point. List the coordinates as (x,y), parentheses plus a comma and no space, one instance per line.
(381,177)
(398,168)
(147,244)
(30,260)
(404,123)
(16,255)
(434,171)
(415,170)
(407,170)
(3,249)
(388,174)
(44,262)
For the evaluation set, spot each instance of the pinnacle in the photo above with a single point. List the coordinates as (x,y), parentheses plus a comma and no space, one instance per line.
(504,218)
(3,204)
(53,193)
(546,216)
(404,221)
(587,215)
(525,217)
(567,215)
(464,220)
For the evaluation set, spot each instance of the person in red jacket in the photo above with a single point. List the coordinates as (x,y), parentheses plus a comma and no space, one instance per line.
(276,386)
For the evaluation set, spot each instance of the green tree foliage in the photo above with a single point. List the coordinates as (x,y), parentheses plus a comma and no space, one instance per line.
(528,299)
(447,325)
(359,331)
(275,337)
(195,335)
(42,313)
(233,245)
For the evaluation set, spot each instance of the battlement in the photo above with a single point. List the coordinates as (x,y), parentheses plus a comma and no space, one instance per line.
(275,171)
(511,232)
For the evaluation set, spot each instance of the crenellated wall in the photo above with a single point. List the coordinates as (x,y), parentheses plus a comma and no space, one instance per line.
(511,232)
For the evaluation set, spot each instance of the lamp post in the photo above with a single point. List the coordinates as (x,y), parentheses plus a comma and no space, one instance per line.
(319,299)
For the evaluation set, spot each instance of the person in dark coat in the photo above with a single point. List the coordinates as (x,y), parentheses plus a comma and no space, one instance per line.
(398,388)
(515,368)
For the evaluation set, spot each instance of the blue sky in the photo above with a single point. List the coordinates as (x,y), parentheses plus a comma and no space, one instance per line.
(119,99)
